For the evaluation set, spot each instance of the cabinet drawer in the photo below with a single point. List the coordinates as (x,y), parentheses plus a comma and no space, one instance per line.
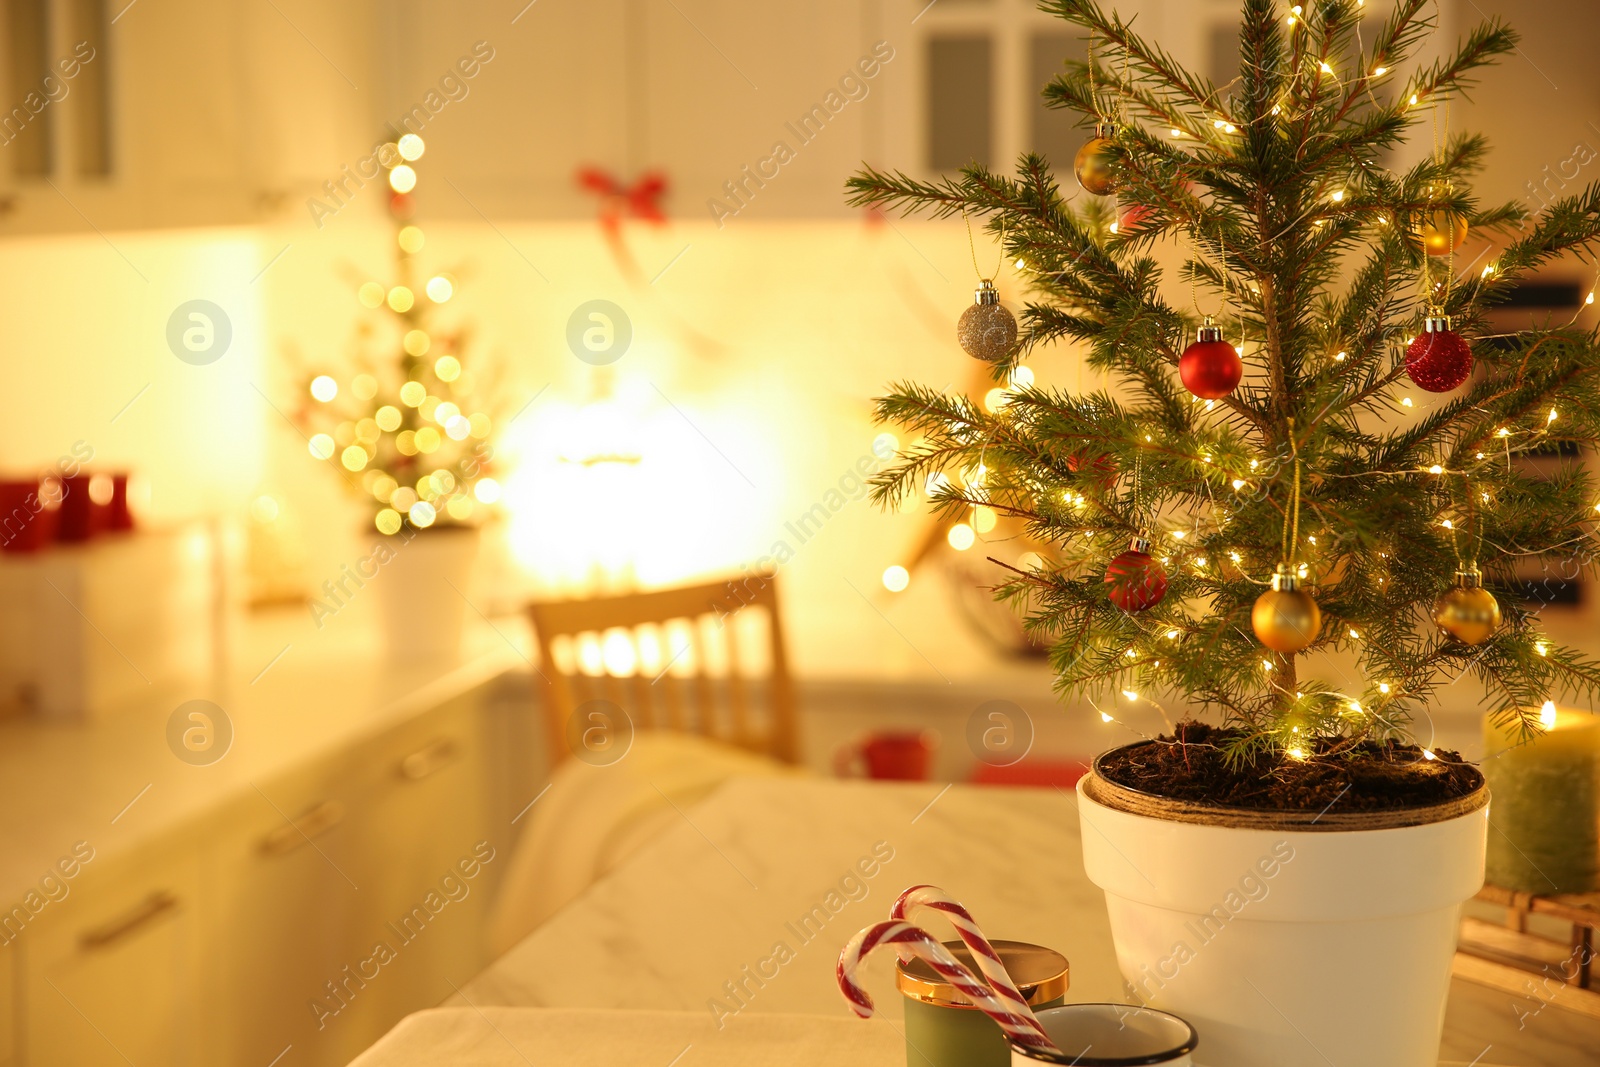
(113,976)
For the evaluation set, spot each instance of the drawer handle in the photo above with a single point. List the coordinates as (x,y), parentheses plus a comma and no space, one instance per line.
(427,760)
(152,908)
(315,822)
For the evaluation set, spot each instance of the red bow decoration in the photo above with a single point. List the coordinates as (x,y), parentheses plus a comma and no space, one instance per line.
(641,200)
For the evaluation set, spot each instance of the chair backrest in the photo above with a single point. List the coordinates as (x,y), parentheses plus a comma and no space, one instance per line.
(674,659)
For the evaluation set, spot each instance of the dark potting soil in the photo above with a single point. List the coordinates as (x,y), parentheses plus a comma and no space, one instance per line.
(1369,776)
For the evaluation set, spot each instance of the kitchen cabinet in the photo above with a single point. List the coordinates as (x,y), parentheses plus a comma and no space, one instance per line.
(290,898)
(115,976)
(317,870)
(179,113)
(250,934)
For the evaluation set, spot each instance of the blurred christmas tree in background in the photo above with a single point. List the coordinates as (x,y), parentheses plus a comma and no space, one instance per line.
(409,428)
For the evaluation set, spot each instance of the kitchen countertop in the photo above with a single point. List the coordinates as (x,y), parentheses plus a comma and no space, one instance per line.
(116,784)
(676,927)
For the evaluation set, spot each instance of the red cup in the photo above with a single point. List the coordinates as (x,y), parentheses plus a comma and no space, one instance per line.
(890,755)
(87,506)
(29,510)
(121,516)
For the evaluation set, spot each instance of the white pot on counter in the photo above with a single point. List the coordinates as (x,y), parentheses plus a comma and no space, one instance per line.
(422,591)
(1287,939)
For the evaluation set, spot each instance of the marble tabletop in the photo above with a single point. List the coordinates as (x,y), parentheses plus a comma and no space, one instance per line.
(742,907)
(517,1037)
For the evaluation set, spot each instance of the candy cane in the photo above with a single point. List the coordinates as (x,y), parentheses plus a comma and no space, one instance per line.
(913,941)
(989,962)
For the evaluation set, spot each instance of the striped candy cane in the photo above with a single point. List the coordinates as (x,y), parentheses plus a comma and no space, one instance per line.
(913,941)
(927,896)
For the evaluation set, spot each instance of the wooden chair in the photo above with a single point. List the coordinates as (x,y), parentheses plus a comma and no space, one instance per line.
(669,659)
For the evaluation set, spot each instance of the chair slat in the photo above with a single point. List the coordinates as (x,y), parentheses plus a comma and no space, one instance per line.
(706,709)
(737,703)
(702,609)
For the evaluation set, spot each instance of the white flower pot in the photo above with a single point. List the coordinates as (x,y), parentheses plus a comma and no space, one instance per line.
(1287,939)
(422,590)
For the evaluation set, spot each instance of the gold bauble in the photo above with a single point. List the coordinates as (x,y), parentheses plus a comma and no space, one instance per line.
(1285,618)
(986,330)
(1469,612)
(1441,232)
(1092,167)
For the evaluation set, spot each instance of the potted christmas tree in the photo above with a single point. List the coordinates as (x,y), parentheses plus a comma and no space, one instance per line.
(1293,510)
(410,430)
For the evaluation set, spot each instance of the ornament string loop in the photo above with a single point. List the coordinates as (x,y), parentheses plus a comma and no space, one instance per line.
(1291,515)
(972,248)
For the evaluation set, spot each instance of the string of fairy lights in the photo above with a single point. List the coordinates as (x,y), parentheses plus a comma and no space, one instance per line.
(412,434)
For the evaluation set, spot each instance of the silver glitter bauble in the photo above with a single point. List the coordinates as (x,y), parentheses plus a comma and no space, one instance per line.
(986,330)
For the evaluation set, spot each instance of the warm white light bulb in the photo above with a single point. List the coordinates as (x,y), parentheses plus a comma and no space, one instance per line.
(402,179)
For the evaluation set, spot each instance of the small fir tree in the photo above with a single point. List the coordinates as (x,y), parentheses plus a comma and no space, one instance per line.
(1314,256)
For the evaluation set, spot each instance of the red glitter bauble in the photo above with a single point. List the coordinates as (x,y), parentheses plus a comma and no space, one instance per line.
(1135,581)
(1439,360)
(1210,369)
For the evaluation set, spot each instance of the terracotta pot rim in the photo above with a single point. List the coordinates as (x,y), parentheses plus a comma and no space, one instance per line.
(1103,791)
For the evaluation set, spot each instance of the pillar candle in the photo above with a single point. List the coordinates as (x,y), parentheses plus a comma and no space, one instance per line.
(1544,807)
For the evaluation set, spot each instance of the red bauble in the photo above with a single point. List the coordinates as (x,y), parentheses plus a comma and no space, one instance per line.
(1134,580)
(1211,367)
(401,206)
(1438,359)
(1131,216)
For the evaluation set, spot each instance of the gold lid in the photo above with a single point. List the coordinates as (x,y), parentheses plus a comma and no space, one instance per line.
(1041,974)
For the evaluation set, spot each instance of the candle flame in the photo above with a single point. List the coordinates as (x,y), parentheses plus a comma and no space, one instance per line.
(1547,715)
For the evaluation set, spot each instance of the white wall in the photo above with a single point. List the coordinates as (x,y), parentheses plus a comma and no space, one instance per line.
(747,390)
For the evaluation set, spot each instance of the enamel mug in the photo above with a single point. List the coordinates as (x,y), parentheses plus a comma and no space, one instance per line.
(1111,1035)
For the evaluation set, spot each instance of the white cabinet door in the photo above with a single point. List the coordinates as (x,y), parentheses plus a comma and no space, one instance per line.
(289,902)
(424,837)
(187,112)
(113,977)
(319,879)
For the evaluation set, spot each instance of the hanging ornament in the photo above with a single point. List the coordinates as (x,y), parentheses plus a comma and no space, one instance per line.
(1131,216)
(1438,359)
(1440,231)
(1285,618)
(986,330)
(1092,166)
(1134,580)
(1211,367)
(1469,612)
